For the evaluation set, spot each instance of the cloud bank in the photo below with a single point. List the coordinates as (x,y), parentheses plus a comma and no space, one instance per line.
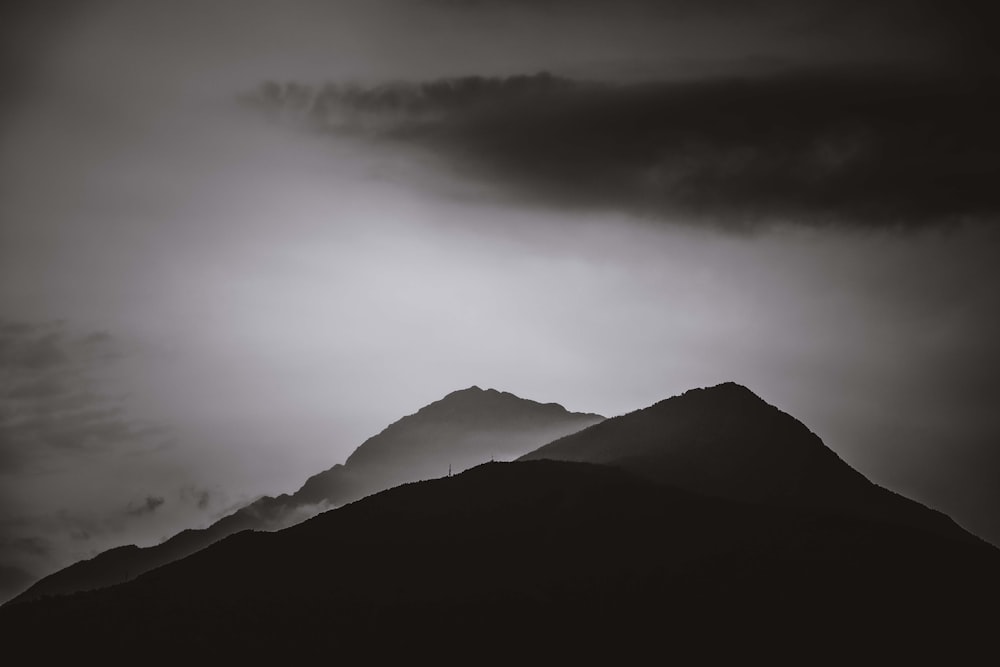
(879,148)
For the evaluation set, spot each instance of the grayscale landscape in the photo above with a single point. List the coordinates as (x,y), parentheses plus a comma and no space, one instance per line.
(474,330)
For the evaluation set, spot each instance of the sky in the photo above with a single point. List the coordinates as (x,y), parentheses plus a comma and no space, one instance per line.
(238,238)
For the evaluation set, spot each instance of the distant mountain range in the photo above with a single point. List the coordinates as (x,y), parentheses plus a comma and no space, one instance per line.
(709,527)
(463,429)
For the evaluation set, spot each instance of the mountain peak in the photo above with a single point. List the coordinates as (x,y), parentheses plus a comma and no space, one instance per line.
(492,399)
(464,428)
(485,420)
(723,397)
(722,440)
(730,385)
(728,442)
(728,388)
(475,392)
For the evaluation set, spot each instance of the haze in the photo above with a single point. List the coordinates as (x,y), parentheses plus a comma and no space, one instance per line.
(205,298)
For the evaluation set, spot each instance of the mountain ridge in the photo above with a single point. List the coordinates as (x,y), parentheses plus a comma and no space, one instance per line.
(464,428)
(722,441)
(727,441)
(566,557)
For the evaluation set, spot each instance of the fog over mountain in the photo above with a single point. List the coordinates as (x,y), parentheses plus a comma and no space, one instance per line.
(463,429)
(710,514)
(571,559)
(239,238)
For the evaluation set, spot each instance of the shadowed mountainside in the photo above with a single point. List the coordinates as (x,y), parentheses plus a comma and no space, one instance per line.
(725,441)
(543,558)
(463,429)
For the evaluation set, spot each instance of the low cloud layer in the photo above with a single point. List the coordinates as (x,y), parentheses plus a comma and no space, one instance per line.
(59,416)
(50,408)
(877,148)
(147,506)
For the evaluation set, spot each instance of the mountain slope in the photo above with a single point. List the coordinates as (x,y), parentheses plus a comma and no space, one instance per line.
(464,428)
(563,558)
(725,441)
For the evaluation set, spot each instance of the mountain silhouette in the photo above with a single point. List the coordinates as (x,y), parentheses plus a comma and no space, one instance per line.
(542,560)
(725,441)
(463,429)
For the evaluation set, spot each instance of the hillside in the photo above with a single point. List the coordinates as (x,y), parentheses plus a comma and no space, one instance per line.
(463,429)
(536,559)
(725,441)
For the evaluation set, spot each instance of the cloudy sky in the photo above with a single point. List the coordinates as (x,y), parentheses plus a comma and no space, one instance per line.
(237,238)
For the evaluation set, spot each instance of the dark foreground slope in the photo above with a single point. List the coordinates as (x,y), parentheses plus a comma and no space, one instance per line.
(541,560)
(463,429)
(725,441)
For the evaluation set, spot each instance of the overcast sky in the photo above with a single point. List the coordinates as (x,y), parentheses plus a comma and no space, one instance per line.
(237,238)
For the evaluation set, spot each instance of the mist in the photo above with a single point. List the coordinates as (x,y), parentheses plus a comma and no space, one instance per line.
(270,295)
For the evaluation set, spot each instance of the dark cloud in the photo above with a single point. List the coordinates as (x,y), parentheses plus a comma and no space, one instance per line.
(879,148)
(199,497)
(648,7)
(29,29)
(955,35)
(51,404)
(29,347)
(147,506)
(33,545)
(50,345)
(80,534)
(77,525)
(59,409)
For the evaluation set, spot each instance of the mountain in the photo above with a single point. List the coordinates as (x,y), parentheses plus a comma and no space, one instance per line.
(463,429)
(727,442)
(541,561)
